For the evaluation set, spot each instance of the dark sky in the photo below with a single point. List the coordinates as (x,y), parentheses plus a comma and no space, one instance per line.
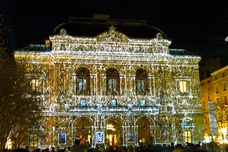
(200,26)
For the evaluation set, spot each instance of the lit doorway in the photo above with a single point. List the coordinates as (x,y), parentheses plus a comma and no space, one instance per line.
(84,131)
(114,132)
(144,137)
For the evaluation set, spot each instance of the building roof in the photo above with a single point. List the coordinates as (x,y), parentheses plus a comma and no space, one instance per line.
(95,27)
(45,48)
(92,27)
(181,52)
(35,48)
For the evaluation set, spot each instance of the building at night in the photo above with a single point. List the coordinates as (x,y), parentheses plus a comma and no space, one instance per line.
(113,83)
(214,98)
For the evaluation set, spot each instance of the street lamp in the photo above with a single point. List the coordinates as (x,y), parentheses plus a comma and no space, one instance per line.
(226,39)
(224,131)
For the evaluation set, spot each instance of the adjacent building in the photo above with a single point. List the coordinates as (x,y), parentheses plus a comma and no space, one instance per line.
(214,98)
(113,83)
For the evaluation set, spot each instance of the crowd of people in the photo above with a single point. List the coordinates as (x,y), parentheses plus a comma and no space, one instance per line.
(188,147)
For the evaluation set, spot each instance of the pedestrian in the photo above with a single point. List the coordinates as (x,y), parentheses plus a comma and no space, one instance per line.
(212,147)
(52,149)
(77,147)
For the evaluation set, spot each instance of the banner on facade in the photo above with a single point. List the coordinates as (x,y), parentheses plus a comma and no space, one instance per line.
(165,135)
(99,137)
(212,117)
(130,136)
(62,138)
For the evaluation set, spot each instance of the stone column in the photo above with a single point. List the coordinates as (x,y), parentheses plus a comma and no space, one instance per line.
(56,81)
(92,84)
(66,77)
(132,86)
(121,84)
(103,84)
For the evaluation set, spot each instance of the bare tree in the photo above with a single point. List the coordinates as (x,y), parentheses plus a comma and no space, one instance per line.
(18,111)
(221,116)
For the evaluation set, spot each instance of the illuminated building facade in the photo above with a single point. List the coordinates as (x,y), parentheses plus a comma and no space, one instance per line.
(114,89)
(214,98)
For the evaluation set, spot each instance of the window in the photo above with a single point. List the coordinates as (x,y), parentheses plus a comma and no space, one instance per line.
(184,101)
(219,117)
(38,100)
(83,77)
(112,82)
(183,86)
(223,74)
(216,89)
(215,77)
(225,100)
(141,82)
(113,102)
(187,136)
(63,47)
(36,85)
(140,86)
(217,100)
(82,102)
(187,125)
(33,140)
(224,86)
(142,102)
(82,85)
(112,85)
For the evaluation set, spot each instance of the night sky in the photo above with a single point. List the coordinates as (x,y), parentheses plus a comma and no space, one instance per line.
(200,26)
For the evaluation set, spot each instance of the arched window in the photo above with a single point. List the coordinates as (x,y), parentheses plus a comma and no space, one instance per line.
(141,82)
(83,77)
(113,82)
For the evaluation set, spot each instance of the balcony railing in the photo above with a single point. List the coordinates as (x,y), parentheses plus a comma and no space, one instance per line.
(114,109)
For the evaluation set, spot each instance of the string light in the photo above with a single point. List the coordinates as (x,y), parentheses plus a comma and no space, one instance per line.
(111,49)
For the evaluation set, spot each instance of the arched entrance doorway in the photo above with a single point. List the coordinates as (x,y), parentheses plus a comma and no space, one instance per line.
(144,137)
(83,130)
(114,132)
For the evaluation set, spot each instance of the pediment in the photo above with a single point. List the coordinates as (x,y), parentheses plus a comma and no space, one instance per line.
(112,36)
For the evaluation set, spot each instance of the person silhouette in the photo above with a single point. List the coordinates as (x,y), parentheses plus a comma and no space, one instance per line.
(77,147)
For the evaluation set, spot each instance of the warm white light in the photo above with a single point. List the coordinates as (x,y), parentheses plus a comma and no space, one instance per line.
(111,127)
(224,131)
(226,39)
(183,86)
(110,49)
